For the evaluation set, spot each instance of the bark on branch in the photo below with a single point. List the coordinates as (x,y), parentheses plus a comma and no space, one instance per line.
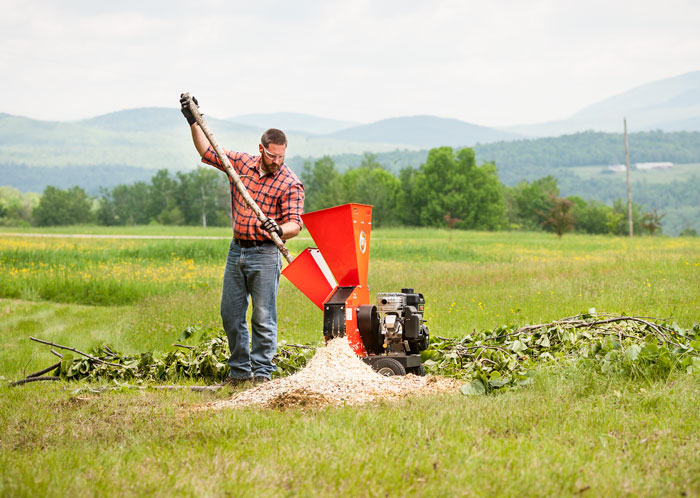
(93,358)
(32,379)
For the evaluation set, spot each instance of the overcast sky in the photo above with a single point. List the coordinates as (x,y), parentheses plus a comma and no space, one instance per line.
(499,62)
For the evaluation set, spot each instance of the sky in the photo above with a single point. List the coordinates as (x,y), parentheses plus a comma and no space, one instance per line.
(493,63)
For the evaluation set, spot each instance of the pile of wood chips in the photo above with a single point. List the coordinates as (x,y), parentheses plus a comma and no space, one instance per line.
(335,376)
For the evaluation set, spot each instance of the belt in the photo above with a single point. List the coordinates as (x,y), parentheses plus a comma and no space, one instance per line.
(250,243)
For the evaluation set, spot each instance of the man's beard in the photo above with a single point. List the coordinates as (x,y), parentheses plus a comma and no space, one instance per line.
(269,167)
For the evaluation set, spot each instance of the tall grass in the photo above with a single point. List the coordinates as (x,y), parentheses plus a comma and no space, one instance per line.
(105,272)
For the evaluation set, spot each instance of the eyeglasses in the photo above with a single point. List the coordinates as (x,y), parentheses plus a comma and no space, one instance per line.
(273,157)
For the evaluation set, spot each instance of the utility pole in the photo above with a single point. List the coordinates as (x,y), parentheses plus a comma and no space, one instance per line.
(629,187)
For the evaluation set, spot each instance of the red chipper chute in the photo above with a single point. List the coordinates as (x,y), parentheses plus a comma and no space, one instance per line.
(388,336)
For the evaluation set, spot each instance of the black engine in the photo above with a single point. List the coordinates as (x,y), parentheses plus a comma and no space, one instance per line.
(395,326)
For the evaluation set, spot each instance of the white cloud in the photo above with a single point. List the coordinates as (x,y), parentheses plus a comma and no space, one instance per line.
(492,63)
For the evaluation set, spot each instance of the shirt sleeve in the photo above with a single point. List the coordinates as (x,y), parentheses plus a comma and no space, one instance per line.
(235,158)
(292,204)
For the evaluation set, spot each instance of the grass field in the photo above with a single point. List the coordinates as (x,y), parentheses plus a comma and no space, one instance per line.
(574,431)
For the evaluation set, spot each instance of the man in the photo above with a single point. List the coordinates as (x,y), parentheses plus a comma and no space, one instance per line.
(254,262)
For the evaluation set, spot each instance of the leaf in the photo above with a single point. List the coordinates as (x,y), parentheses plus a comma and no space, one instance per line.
(517,346)
(474,388)
(187,333)
(633,351)
(66,362)
(496,383)
(526,382)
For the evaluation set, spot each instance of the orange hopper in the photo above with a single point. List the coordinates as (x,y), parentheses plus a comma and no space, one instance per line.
(334,275)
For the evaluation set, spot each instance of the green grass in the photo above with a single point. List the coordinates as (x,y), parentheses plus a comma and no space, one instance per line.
(570,433)
(573,431)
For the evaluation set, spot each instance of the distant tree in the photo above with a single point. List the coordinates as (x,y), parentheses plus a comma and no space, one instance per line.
(651,222)
(322,184)
(163,206)
(621,213)
(16,207)
(614,221)
(489,210)
(374,185)
(451,223)
(527,202)
(406,204)
(451,182)
(199,196)
(689,232)
(591,217)
(125,205)
(559,217)
(369,162)
(63,207)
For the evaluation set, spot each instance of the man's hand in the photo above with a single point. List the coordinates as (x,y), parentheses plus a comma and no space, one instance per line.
(269,225)
(185,108)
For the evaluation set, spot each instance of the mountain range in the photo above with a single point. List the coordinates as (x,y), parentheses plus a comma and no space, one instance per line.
(671,104)
(156,138)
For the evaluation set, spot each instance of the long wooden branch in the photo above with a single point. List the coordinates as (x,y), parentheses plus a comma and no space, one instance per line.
(45,370)
(32,379)
(234,176)
(93,358)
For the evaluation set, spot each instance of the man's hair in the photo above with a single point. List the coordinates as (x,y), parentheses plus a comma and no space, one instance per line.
(273,136)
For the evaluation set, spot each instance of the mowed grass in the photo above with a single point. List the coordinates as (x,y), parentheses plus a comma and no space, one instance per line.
(575,431)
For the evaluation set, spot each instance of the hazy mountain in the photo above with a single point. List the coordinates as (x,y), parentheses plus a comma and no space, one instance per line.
(151,138)
(144,119)
(424,132)
(157,138)
(293,121)
(670,104)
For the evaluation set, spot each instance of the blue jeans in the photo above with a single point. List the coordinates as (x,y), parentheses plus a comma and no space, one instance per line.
(253,272)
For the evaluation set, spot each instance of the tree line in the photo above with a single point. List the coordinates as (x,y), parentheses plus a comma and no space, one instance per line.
(198,197)
(448,190)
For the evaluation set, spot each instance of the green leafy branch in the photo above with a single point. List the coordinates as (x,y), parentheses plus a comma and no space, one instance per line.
(204,361)
(506,356)
(488,361)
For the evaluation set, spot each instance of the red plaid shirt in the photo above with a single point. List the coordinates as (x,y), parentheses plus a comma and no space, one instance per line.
(280,195)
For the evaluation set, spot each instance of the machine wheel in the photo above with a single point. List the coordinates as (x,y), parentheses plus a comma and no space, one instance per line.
(389,367)
(419,370)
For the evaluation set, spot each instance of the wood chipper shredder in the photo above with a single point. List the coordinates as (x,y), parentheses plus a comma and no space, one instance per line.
(390,335)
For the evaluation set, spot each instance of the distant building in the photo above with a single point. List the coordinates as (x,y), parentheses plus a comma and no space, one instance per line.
(666,165)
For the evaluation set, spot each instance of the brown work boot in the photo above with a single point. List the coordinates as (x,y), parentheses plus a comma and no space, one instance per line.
(259,379)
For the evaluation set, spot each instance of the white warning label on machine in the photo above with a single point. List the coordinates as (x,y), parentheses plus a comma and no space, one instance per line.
(348,314)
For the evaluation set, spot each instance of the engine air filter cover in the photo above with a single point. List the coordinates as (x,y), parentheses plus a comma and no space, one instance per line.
(389,302)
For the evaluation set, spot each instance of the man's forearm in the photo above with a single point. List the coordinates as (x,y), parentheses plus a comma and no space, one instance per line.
(200,139)
(289,230)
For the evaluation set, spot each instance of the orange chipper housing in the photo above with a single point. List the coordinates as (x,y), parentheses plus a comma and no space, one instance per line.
(334,275)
